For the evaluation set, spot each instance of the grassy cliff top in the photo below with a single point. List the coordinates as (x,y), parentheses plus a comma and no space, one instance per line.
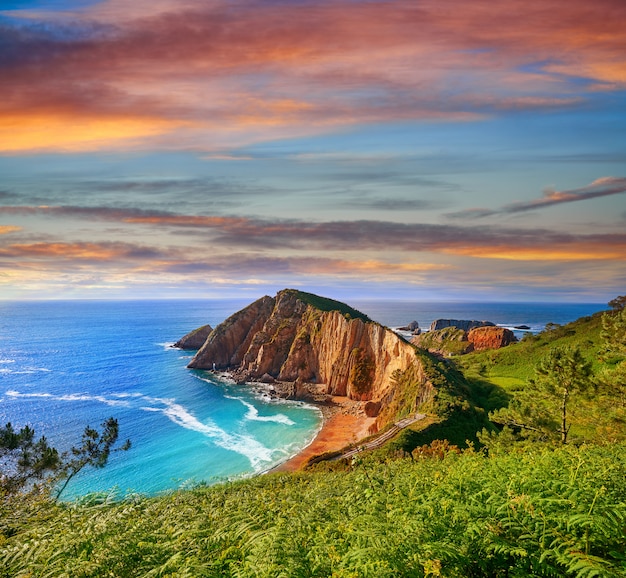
(516,363)
(325,304)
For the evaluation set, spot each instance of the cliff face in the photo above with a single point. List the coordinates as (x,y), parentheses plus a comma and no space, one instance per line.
(293,338)
(229,341)
(483,338)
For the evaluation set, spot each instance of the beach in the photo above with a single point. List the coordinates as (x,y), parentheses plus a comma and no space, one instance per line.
(344,423)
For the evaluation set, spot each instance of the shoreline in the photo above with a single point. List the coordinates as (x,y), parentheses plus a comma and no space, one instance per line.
(343,420)
(343,423)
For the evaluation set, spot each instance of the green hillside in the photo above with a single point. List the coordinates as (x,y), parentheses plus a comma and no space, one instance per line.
(516,363)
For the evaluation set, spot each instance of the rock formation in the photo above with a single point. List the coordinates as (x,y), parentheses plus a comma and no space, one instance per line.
(483,338)
(413,327)
(195,339)
(454,341)
(300,337)
(464,324)
(447,341)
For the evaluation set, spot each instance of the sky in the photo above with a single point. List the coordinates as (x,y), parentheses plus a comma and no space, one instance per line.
(436,149)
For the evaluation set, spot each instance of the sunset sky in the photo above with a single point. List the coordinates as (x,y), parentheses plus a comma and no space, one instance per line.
(437,149)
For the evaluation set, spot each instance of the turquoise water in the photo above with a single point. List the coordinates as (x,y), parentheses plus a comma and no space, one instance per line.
(66,365)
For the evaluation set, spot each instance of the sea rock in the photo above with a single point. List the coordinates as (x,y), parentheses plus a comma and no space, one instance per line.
(482,338)
(447,341)
(521,327)
(410,327)
(300,337)
(194,339)
(464,324)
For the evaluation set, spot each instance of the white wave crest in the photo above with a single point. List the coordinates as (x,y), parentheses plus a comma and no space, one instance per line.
(68,397)
(25,371)
(247,446)
(253,414)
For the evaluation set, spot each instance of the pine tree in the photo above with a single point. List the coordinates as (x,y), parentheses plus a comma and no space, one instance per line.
(542,410)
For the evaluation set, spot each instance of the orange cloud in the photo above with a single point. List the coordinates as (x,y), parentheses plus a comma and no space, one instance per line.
(573,252)
(602,187)
(212,75)
(39,132)
(6,229)
(77,251)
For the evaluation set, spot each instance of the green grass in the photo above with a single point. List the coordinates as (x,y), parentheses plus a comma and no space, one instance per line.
(516,363)
(536,512)
(325,304)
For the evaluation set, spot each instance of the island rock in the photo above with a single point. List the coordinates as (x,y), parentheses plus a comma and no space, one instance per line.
(464,324)
(413,326)
(195,339)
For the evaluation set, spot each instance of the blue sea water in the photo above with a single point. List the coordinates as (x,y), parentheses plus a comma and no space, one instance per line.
(68,364)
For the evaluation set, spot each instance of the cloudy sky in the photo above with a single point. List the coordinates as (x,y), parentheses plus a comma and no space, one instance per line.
(417,149)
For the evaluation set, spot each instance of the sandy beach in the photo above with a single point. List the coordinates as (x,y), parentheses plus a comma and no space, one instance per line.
(344,423)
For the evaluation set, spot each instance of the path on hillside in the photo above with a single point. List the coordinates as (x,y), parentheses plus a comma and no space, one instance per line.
(382,438)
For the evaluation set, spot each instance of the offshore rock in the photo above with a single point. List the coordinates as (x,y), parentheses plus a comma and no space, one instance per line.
(299,337)
(464,324)
(195,339)
(413,326)
(483,338)
(453,341)
(447,341)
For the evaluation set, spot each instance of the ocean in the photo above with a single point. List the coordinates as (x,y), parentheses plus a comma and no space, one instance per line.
(68,364)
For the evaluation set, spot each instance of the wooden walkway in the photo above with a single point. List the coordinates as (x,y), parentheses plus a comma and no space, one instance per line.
(382,438)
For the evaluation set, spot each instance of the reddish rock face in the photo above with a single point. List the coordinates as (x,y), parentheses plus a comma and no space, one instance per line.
(490,338)
(229,341)
(291,340)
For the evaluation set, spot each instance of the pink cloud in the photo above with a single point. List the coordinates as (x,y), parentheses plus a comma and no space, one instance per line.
(214,75)
(602,187)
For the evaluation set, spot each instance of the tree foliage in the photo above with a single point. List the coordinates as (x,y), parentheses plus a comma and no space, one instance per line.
(614,331)
(543,408)
(29,464)
(24,460)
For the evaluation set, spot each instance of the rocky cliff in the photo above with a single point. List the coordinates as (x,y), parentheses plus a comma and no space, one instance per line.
(300,337)
(464,324)
(454,341)
(483,338)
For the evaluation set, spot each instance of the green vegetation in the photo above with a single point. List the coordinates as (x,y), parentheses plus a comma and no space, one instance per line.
(539,512)
(585,402)
(448,341)
(543,407)
(362,371)
(29,466)
(325,304)
(538,488)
